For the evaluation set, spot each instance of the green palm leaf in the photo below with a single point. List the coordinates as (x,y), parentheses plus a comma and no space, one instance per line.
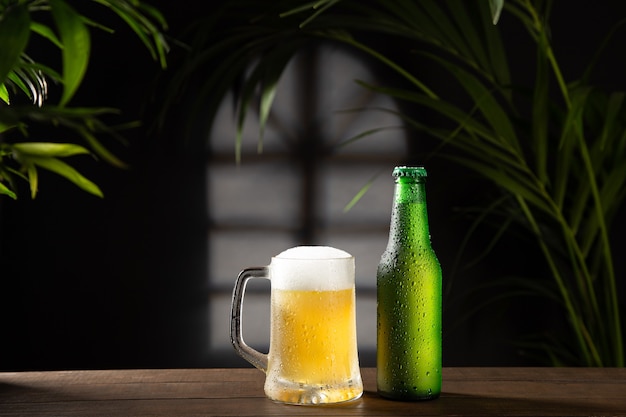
(14,34)
(496,9)
(63,169)
(76,47)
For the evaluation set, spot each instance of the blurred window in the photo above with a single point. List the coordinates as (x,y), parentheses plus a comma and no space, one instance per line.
(294,192)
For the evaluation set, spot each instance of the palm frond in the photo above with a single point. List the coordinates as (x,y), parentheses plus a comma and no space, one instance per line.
(66,31)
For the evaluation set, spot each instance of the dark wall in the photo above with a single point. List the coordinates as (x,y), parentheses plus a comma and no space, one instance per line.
(121,282)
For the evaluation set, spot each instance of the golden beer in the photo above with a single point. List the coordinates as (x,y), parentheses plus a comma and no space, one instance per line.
(313,345)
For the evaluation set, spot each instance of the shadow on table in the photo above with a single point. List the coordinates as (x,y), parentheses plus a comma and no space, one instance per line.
(472,405)
(13,393)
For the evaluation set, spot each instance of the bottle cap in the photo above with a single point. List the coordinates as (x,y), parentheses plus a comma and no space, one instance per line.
(411,172)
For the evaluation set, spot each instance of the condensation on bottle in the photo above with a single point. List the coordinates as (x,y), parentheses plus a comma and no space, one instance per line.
(409,292)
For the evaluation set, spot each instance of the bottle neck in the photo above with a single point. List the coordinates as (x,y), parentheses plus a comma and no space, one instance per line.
(409,216)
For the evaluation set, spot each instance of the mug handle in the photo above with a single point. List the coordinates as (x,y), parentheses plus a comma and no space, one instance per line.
(255,357)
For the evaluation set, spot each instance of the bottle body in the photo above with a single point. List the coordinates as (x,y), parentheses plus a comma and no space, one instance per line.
(409,293)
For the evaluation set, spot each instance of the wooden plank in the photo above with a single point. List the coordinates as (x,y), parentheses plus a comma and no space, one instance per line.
(239,392)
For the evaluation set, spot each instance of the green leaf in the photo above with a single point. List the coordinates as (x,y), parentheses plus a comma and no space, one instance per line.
(83,121)
(540,117)
(30,81)
(4,95)
(61,168)
(76,47)
(154,13)
(265,74)
(100,149)
(496,9)
(33,179)
(445,30)
(8,120)
(499,65)
(514,185)
(48,149)
(469,35)
(360,194)
(571,130)
(267,98)
(7,191)
(144,28)
(483,98)
(616,101)
(46,32)
(14,34)
(275,65)
(321,6)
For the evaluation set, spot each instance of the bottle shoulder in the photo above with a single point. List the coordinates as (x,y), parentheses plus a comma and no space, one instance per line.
(418,248)
(414,259)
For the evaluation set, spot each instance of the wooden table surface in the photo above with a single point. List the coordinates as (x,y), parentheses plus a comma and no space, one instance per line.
(239,392)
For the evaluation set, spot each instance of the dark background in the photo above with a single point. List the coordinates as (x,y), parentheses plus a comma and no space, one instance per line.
(121,282)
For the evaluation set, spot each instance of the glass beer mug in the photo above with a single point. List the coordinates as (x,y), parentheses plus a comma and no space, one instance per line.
(312,357)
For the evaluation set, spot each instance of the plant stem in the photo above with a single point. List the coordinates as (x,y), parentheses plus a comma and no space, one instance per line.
(608,257)
(541,32)
(569,306)
(618,347)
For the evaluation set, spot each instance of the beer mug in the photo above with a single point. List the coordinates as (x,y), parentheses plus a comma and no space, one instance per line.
(312,357)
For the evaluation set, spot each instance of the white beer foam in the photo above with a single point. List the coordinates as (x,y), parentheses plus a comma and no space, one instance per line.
(313,268)
(313,252)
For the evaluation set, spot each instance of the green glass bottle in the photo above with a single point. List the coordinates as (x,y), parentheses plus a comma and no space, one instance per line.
(409,298)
